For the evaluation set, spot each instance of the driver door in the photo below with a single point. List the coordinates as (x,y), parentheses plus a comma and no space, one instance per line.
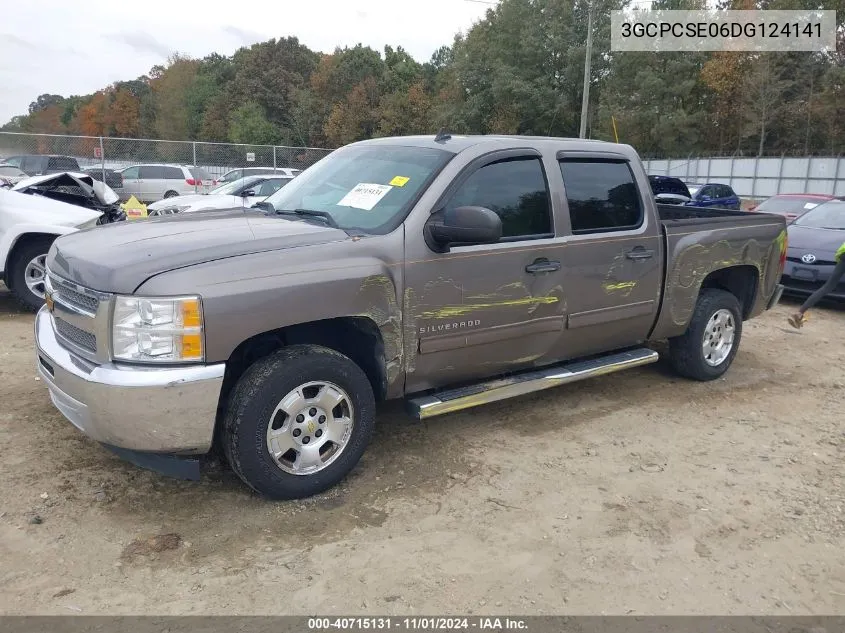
(485,309)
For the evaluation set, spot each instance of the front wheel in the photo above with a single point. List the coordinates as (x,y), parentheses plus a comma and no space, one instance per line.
(298,421)
(711,342)
(29,272)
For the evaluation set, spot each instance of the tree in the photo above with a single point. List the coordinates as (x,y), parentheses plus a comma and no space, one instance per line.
(125,114)
(170,88)
(94,114)
(250,125)
(45,101)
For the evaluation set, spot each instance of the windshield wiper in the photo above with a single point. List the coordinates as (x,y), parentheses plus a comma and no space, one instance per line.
(322,215)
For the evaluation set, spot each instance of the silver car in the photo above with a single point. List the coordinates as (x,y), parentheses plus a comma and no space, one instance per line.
(237,174)
(154,181)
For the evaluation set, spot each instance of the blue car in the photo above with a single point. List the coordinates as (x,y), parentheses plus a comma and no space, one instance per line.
(713,194)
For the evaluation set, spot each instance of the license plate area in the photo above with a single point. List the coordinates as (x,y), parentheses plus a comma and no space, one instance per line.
(805,274)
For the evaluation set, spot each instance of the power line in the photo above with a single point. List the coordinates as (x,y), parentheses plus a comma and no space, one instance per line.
(483,2)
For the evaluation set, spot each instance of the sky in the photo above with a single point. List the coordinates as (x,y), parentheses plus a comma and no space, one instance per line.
(61,47)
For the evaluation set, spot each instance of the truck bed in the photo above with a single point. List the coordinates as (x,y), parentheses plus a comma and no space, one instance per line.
(676,214)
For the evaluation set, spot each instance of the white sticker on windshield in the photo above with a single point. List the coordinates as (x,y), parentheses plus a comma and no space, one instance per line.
(811,205)
(365,196)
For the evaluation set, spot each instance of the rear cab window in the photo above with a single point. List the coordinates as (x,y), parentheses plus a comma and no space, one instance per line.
(602,195)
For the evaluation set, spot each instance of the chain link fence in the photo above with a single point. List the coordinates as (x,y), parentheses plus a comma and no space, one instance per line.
(116,153)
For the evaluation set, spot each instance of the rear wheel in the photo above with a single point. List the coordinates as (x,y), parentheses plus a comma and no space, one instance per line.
(171,194)
(29,272)
(298,421)
(711,342)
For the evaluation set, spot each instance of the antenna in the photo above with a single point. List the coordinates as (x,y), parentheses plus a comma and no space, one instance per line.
(442,136)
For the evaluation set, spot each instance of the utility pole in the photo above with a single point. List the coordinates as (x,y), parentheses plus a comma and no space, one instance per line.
(585,99)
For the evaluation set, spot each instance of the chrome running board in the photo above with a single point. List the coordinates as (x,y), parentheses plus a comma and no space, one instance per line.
(447,401)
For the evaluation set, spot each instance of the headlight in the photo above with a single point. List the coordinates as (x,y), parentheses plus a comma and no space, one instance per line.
(158,329)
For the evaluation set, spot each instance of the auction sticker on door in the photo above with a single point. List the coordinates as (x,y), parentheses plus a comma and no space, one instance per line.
(364,196)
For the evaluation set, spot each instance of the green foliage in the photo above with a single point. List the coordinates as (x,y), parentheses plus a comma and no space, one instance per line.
(249,124)
(518,70)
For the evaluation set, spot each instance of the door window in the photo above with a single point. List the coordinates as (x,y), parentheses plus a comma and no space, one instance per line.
(270,186)
(516,190)
(601,195)
(151,172)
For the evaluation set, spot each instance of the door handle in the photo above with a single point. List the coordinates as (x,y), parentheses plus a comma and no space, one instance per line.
(542,266)
(639,253)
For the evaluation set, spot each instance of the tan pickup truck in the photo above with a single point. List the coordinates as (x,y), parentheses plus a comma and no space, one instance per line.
(449,271)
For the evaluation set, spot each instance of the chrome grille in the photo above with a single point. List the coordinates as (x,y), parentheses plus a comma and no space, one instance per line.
(77,336)
(77,299)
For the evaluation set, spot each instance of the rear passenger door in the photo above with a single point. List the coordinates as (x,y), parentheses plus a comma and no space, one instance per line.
(613,256)
(484,309)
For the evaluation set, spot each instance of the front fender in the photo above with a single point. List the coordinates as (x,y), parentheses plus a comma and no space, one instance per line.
(10,237)
(252,294)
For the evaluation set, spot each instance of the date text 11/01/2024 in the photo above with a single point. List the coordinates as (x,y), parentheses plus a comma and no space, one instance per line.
(418,623)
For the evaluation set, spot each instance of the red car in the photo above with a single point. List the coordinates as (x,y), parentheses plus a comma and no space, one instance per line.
(791,205)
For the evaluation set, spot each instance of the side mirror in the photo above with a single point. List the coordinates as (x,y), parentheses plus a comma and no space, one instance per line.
(249,193)
(465,225)
(264,206)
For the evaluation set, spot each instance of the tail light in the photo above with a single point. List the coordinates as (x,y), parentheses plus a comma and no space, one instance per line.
(783,240)
(194,182)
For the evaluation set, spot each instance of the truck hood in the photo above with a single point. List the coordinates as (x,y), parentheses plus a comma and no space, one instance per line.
(811,240)
(119,257)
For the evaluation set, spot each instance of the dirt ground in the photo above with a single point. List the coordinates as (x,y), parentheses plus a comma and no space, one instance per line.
(636,493)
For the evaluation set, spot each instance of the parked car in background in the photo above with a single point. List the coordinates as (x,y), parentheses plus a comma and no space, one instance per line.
(40,164)
(153,181)
(669,190)
(241,193)
(113,178)
(237,174)
(34,213)
(9,174)
(812,241)
(713,194)
(791,205)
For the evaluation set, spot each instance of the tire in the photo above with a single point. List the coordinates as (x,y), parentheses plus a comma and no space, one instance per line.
(171,194)
(686,352)
(23,262)
(257,407)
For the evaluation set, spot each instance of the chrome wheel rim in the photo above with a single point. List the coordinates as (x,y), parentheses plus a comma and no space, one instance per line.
(35,274)
(718,337)
(310,427)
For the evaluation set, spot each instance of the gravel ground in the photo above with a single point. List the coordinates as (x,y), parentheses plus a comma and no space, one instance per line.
(635,493)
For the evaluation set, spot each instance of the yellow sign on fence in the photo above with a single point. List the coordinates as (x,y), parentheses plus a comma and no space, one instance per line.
(134,209)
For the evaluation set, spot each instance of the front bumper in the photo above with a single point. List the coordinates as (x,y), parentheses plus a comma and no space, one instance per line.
(150,409)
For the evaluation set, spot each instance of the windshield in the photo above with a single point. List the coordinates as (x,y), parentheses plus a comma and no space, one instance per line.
(233,188)
(829,215)
(365,187)
(793,204)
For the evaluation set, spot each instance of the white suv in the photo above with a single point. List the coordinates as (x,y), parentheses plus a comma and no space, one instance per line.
(153,181)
